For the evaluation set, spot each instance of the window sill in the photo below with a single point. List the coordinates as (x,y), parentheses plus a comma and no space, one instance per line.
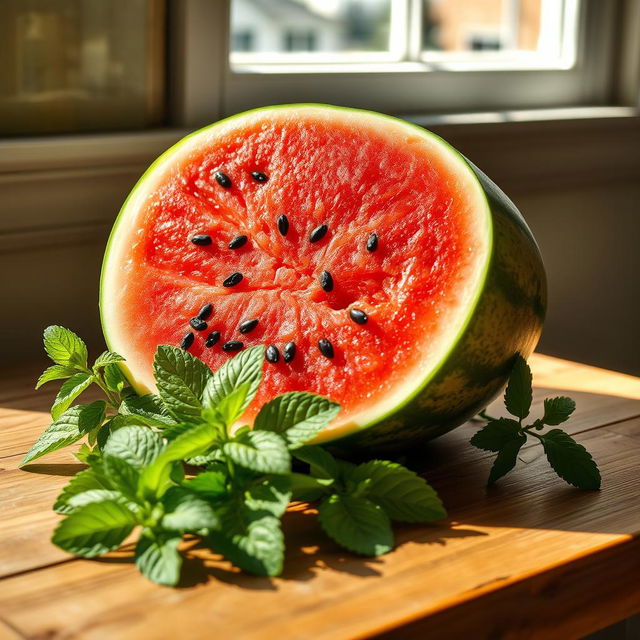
(140,148)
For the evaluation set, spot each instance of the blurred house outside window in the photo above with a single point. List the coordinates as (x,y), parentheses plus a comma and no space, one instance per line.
(526,31)
(80,65)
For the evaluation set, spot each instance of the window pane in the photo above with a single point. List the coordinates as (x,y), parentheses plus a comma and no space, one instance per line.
(455,26)
(310,26)
(79,65)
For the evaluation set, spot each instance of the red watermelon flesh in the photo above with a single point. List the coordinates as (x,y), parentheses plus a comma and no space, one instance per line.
(357,173)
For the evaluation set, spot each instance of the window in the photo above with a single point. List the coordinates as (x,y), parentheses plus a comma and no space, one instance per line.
(542,31)
(295,40)
(80,65)
(90,65)
(417,56)
(243,40)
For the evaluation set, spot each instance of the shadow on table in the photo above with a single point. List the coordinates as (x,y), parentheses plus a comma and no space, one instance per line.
(310,554)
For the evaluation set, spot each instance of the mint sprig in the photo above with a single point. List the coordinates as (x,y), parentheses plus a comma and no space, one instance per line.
(137,447)
(506,436)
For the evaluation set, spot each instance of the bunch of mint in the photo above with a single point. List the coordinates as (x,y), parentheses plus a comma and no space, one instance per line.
(138,446)
(506,436)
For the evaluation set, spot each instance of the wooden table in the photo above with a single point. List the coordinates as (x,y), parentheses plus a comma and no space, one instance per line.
(530,558)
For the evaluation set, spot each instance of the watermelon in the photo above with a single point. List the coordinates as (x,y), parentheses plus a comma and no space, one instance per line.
(378,266)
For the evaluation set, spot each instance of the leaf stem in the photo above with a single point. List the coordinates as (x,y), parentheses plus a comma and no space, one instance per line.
(531,433)
(112,399)
(485,416)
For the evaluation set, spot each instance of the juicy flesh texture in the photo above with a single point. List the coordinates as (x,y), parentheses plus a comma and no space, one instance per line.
(318,173)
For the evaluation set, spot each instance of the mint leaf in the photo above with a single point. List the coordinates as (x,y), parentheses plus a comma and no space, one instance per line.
(105,358)
(322,463)
(557,410)
(69,391)
(187,512)
(64,347)
(101,495)
(67,429)
(208,484)
(260,451)
(356,524)
(122,475)
(270,493)
(87,480)
(137,446)
(506,458)
(94,529)
(402,494)
(496,434)
(55,372)
(307,488)
(570,460)
(157,557)
(296,416)
(196,441)
(252,540)
(246,367)
(114,378)
(232,406)
(149,409)
(518,394)
(127,452)
(181,379)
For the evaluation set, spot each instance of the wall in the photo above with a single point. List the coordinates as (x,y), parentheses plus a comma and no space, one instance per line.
(577,183)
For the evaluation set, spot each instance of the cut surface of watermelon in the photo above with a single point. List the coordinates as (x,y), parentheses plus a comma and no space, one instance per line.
(369,245)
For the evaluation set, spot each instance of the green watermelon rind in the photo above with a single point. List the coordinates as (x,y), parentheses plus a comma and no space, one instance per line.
(430,409)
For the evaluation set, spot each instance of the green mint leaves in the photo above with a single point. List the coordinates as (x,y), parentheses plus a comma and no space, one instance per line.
(181,380)
(297,416)
(506,436)
(72,422)
(138,446)
(358,502)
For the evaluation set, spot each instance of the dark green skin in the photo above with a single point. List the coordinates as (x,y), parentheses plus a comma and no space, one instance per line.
(507,320)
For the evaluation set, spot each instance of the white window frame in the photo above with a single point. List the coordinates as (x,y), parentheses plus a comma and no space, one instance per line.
(406,82)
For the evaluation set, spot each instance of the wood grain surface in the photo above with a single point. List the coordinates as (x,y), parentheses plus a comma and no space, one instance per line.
(529,558)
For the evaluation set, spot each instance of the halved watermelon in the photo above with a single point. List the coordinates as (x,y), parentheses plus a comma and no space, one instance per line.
(405,280)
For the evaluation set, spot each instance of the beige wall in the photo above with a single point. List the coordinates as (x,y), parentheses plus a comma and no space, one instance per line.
(577,183)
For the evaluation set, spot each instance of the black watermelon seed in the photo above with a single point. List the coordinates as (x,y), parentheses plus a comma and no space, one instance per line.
(326,281)
(272,354)
(358,316)
(222,179)
(248,325)
(187,341)
(237,242)
(198,324)
(201,239)
(232,345)
(212,338)
(372,242)
(326,348)
(289,351)
(283,224)
(318,233)
(233,280)
(258,176)
(205,312)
